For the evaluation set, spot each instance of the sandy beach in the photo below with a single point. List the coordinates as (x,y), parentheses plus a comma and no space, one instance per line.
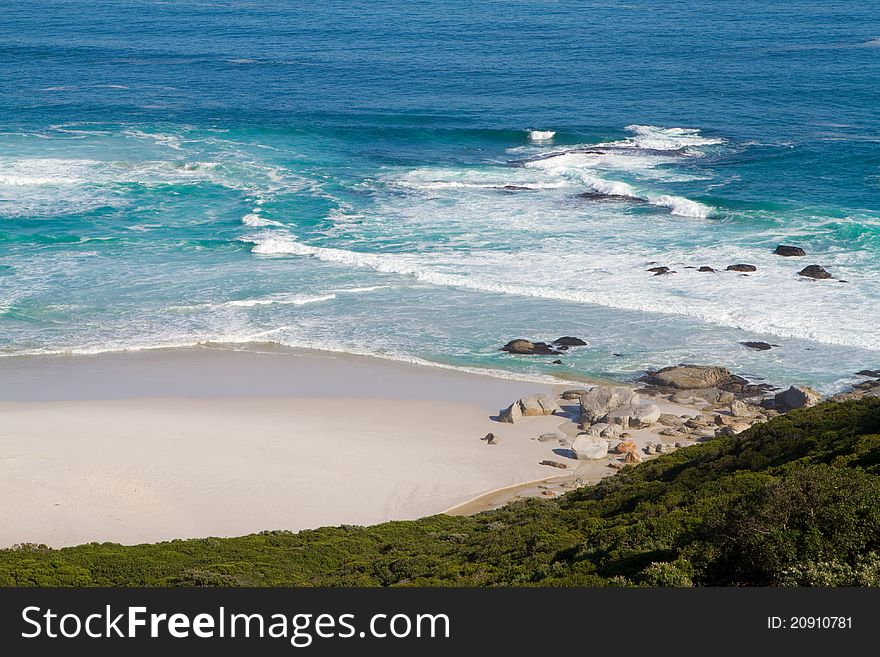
(148,446)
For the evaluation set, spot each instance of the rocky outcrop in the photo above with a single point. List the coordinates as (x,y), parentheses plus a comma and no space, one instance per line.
(757,346)
(632,457)
(740,409)
(569,341)
(625,447)
(533,405)
(633,417)
(524,347)
(604,430)
(797,397)
(706,269)
(789,251)
(689,377)
(815,272)
(571,395)
(742,267)
(589,447)
(601,400)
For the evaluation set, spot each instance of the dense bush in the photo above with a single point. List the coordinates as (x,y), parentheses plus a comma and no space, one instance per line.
(793,502)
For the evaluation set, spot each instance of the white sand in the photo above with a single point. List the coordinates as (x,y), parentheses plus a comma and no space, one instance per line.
(92,450)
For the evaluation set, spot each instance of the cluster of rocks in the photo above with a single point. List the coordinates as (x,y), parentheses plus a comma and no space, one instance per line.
(530,406)
(708,382)
(786,250)
(524,347)
(870,387)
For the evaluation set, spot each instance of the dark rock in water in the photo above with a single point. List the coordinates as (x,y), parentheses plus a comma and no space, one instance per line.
(557,362)
(789,251)
(814,271)
(742,268)
(599,197)
(618,355)
(688,377)
(659,270)
(519,346)
(758,346)
(871,373)
(527,348)
(568,341)
(706,269)
(517,188)
(554,464)
(490,439)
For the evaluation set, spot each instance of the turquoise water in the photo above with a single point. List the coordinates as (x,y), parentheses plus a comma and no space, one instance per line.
(365,177)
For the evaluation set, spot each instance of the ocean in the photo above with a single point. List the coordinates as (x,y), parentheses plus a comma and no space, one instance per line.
(428,180)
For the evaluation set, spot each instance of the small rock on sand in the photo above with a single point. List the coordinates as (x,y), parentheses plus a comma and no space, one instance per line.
(554,464)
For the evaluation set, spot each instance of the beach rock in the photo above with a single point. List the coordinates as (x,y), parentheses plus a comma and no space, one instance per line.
(615,465)
(525,347)
(531,406)
(798,397)
(568,341)
(596,429)
(634,417)
(672,433)
(742,267)
(757,346)
(669,420)
(789,251)
(650,449)
(680,445)
(697,422)
(600,400)
(689,377)
(490,439)
(588,447)
(872,373)
(547,437)
(704,269)
(554,464)
(571,395)
(625,446)
(732,429)
(814,271)
(739,409)
(632,457)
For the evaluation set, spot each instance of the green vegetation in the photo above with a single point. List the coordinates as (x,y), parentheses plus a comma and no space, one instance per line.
(793,502)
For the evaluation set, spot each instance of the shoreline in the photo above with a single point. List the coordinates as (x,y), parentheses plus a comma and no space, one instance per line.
(140,447)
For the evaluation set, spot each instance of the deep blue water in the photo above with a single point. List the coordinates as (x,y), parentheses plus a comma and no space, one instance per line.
(360,176)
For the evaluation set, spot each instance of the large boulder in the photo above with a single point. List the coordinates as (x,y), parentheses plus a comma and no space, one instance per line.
(533,405)
(528,348)
(625,447)
(798,397)
(689,377)
(814,271)
(604,430)
(789,251)
(569,341)
(741,267)
(590,447)
(634,417)
(571,395)
(600,400)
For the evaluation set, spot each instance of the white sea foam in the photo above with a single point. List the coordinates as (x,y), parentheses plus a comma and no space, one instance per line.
(255,221)
(616,280)
(655,138)
(281,299)
(541,135)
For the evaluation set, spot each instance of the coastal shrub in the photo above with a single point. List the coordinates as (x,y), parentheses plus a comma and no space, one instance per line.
(794,502)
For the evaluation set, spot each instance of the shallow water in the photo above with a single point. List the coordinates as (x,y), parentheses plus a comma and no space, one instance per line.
(363,178)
